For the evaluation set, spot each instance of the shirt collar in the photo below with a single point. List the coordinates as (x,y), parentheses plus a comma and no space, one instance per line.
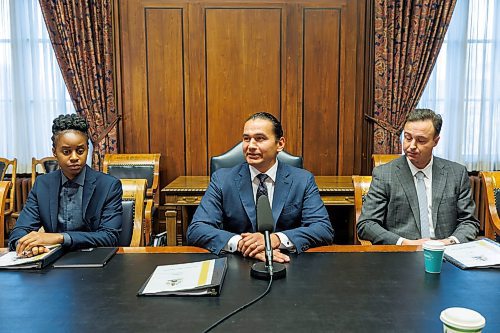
(79,179)
(427,170)
(271,172)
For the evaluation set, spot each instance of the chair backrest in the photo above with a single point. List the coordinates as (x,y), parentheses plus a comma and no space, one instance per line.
(10,202)
(234,156)
(136,166)
(361,187)
(4,190)
(133,212)
(491,181)
(379,159)
(43,165)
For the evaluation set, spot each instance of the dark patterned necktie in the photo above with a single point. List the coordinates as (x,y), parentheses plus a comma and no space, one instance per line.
(262,189)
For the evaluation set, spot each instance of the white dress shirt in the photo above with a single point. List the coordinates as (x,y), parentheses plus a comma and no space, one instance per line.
(232,244)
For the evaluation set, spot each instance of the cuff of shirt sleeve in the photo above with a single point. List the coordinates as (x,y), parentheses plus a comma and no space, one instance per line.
(67,240)
(286,244)
(400,241)
(455,239)
(232,244)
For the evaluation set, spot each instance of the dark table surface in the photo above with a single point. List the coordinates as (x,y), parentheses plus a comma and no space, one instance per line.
(323,292)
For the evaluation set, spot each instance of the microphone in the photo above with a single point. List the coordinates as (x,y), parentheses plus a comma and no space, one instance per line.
(265,224)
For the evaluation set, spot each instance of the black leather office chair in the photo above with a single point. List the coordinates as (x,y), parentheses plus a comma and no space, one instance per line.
(48,164)
(139,166)
(132,233)
(10,202)
(361,187)
(491,182)
(234,156)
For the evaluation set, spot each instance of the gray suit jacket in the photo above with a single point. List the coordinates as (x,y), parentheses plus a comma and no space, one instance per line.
(391,209)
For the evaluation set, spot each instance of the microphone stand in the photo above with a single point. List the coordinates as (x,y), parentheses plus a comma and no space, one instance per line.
(269,252)
(269,269)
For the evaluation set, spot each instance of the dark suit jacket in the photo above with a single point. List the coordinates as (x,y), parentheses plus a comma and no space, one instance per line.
(101,206)
(391,208)
(228,209)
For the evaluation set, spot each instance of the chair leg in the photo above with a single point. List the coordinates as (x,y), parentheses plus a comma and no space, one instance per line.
(171,221)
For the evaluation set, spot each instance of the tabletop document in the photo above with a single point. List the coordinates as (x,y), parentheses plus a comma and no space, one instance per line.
(194,278)
(482,253)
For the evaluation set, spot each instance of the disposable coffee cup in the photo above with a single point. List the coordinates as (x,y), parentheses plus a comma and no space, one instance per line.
(433,256)
(460,320)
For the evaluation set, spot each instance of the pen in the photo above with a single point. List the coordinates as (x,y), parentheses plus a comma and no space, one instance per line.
(23,255)
(26,253)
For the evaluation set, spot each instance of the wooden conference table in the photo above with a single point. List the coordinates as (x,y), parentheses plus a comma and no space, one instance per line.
(186,191)
(324,291)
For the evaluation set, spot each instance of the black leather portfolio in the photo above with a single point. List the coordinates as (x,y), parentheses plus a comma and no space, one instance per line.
(93,257)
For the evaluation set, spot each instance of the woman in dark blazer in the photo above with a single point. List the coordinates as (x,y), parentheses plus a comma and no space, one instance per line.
(76,206)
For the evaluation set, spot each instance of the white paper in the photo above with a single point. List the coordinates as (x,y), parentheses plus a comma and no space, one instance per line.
(180,277)
(11,259)
(475,254)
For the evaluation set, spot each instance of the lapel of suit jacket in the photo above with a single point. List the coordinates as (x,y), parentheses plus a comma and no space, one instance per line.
(408,184)
(281,189)
(54,198)
(439,175)
(88,189)
(244,186)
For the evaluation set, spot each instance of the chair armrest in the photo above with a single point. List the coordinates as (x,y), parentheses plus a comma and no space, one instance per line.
(365,242)
(148,221)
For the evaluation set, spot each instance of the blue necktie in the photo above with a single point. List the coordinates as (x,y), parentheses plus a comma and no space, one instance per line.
(423,205)
(262,189)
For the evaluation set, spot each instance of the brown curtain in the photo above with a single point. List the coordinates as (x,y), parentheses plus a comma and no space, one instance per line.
(81,34)
(408,37)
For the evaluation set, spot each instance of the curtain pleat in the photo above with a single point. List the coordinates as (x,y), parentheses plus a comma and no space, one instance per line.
(81,34)
(408,37)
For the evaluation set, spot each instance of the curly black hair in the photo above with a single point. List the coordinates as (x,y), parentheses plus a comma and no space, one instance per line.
(68,122)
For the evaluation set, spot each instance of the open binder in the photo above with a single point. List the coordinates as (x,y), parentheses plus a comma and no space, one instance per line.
(11,261)
(201,278)
(483,253)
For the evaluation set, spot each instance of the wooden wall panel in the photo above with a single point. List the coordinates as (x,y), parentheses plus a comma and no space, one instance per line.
(132,86)
(321,90)
(165,86)
(243,70)
(189,73)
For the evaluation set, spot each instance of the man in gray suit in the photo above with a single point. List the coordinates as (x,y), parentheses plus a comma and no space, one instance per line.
(418,197)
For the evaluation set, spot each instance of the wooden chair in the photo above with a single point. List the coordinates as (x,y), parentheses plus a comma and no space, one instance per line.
(139,166)
(4,191)
(379,159)
(361,187)
(41,166)
(10,202)
(132,233)
(491,181)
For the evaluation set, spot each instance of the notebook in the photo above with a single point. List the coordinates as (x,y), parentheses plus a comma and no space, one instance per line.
(93,257)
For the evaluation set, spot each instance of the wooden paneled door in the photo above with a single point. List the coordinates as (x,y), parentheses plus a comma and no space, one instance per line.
(190,72)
